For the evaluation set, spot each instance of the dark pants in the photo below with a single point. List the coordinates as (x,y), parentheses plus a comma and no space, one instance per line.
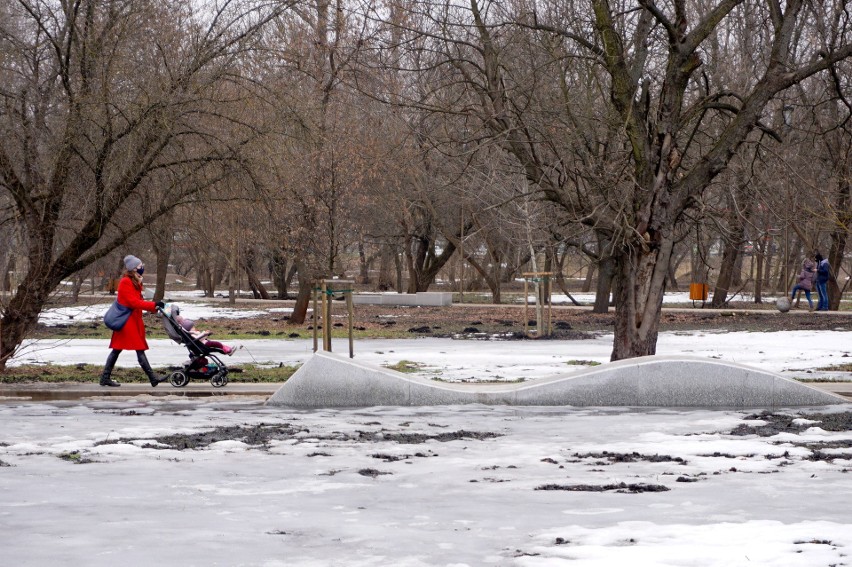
(822,290)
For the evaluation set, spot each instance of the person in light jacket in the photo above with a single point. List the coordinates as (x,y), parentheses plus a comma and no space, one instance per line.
(132,335)
(805,281)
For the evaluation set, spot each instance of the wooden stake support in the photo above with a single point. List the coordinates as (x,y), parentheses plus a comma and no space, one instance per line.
(326,290)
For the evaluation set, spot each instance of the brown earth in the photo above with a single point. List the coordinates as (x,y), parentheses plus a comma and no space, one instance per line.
(508,321)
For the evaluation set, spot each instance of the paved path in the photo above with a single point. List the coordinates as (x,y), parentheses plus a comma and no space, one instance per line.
(54,391)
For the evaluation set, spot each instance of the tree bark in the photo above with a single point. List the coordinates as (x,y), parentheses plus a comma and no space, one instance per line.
(724,281)
(386,264)
(303,298)
(258,290)
(839,238)
(758,278)
(590,276)
(423,263)
(363,264)
(279,274)
(640,288)
(163,252)
(606,269)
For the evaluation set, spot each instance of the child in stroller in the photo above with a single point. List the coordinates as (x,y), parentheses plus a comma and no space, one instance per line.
(203,362)
(189,327)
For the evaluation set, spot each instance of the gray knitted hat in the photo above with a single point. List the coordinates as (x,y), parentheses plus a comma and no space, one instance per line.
(131,262)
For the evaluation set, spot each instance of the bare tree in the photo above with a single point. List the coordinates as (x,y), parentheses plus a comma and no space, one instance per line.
(677,130)
(112,114)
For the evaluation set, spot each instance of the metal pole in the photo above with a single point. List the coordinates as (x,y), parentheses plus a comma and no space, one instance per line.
(526,301)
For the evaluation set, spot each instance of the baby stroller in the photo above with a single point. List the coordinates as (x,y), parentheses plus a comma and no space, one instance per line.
(203,364)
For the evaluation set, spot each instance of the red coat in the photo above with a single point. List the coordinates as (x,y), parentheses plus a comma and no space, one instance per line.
(132,335)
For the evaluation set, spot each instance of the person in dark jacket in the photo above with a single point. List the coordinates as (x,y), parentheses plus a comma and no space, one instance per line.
(822,276)
(805,281)
(132,335)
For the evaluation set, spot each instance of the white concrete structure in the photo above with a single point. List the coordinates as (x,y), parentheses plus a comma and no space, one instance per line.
(330,380)
(419,299)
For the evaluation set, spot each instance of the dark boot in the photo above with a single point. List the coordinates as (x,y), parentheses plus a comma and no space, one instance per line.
(106,379)
(143,362)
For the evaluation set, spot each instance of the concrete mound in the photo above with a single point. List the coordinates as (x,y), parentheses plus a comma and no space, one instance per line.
(329,380)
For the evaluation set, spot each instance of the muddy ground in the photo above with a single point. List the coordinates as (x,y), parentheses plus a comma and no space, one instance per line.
(471,319)
(509,321)
(260,435)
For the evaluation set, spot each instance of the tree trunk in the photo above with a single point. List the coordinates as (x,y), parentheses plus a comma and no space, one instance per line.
(590,275)
(737,276)
(220,269)
(279,274)
(76,285)
(7,264)
(258,290)
(303,298)
(673,278)
(423,264)
(837,250)
(21,313)
(386,262)
(639,289)
(397,262)
(363,264)
(606,273)
(677,260)
(726,275)
(232,287)
(758,278)
(163,251)
(161,237)
(492,279)
(291,273)
(769,256)
(205,279)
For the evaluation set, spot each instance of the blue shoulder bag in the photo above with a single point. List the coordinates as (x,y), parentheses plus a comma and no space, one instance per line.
(116,316)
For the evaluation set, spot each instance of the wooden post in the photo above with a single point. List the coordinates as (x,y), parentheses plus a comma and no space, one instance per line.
(526,305)
(316,318)
(350,309)
(326,338)
(327,290)
(549,310)
(461,256)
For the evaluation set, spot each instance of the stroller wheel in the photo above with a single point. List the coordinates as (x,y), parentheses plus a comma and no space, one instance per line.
(178,379)
(220,379)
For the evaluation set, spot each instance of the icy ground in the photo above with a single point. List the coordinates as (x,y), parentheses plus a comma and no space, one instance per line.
(191,483)
(109,483)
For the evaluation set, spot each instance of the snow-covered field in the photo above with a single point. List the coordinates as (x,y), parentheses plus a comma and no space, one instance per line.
(416,487)
(104,483)
(792,353)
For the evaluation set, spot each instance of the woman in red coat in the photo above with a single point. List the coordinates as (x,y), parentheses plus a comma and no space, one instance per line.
(132,335)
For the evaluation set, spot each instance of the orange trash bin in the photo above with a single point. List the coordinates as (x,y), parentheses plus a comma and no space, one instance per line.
(698,291)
